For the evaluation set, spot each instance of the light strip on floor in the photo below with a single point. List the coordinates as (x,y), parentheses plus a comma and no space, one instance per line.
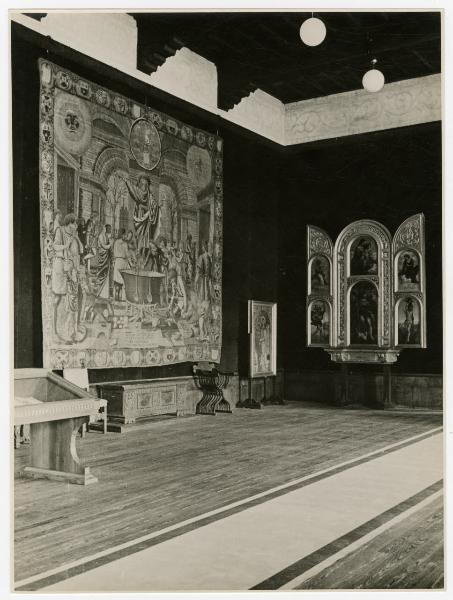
(225,509)
(291,585)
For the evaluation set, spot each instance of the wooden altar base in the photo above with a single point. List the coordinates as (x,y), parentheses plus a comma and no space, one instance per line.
(384,401)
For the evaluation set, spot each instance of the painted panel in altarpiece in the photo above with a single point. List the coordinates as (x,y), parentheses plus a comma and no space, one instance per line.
(319,278)
(409,283)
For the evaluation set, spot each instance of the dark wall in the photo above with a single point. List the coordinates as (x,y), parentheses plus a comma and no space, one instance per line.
(251,189)
(270,194)
(387,176)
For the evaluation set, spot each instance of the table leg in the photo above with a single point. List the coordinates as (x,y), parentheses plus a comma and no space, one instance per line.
(54,454)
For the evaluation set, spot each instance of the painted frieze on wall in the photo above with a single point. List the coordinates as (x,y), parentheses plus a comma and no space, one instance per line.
(398,104)
(131,230)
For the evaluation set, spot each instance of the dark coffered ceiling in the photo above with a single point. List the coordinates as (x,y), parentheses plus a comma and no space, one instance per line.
(263,49)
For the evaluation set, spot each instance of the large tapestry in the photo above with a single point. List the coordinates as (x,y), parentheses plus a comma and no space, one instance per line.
(131,230)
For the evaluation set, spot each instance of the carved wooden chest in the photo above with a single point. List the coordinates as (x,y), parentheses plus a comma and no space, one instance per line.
(132,401)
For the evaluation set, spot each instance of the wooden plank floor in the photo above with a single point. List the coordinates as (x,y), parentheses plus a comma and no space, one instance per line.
(408,556)
(181,468)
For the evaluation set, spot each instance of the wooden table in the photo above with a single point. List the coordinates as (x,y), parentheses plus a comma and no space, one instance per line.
(54,424)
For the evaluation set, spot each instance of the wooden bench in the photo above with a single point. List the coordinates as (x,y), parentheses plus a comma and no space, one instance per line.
(58,412)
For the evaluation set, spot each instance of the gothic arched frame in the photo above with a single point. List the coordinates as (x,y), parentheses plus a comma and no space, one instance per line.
(410,237)
(319,245)
(343,281)
(396,328)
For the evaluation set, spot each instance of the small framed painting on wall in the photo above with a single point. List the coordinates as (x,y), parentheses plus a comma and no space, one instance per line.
(263,338)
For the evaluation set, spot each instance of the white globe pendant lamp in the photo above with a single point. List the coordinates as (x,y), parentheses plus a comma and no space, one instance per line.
(313,31)
(373,80)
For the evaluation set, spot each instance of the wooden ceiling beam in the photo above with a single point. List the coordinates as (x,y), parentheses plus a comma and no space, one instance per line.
(311,66)
(169,50)
(36,16)
(223,43)
(265,48)
(303,82)
(354,19)
(422,59)
(335,80)
(177,43)
(280,39)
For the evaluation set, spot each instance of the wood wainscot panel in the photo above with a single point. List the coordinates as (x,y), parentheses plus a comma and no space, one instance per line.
(243,389)
(232,392)
(418,391)
(413,391)
(280,384)
(269,383)
(273,389)
(257,391)
(311,386)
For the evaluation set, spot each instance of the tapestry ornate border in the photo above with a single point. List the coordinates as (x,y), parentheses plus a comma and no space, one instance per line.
(131,205)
